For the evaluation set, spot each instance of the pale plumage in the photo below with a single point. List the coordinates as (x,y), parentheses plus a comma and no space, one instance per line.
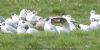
(23,14)
(94,16)
(32,18)
(40,24)
(70,21)
(48,27)
(7,28)
(91,26)
(21,27)
(83,27)
(15,18)
(10,22)
(31,30)
(61,29)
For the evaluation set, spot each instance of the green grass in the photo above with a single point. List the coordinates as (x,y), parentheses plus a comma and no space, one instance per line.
(79,9)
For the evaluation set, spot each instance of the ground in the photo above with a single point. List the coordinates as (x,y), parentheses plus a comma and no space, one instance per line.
(79,9)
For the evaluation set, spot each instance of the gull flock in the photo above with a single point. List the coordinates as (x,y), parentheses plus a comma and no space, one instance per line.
(29,22)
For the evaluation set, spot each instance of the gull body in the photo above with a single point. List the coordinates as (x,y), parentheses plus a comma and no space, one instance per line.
(31,17)
(7,28)
(21,27)
(23,14)
(61,29)
(15,18)
(10,22)
(94,16)
(70,21)
(83,27)
(48,27)
(31,30)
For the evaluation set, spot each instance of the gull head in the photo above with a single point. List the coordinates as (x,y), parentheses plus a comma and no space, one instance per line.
(92,12)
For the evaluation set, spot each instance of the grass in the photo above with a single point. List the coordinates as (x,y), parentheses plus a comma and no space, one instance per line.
(76,39)
(79,9)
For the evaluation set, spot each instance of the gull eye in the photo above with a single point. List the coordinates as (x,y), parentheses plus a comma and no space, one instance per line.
(26,27)
(3,24)
(23,21)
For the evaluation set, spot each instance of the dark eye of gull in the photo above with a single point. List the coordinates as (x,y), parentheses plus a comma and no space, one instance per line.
(3,24)
(23,21)
(26,27)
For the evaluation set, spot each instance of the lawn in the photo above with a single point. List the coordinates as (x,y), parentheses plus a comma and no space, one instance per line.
(76,40)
